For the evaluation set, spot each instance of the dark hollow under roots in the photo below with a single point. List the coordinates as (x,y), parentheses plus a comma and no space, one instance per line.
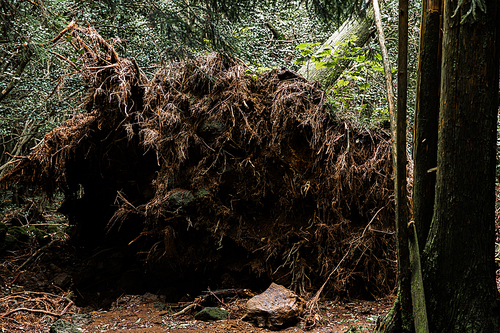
(207,175)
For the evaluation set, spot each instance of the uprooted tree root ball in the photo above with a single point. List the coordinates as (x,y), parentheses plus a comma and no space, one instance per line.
(210,174)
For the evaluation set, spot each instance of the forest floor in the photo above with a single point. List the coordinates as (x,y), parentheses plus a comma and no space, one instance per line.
(31,301)
(25,310)
(137,316)
(143,313)
(34,295)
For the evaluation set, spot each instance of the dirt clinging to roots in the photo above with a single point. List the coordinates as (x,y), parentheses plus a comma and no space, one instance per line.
(211,173)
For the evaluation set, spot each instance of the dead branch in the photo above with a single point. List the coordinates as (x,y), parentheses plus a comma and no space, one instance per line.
(25,58)
(31,310)
(218,299)
(68,27)
(64,58)
(197,302)
(66,308)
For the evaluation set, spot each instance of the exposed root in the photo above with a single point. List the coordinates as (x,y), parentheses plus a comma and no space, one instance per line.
(247,165)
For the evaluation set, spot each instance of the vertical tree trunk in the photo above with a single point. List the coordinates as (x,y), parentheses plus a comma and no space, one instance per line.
(425,147)
(459,271)
(400,317)
(398,133)
(426,118)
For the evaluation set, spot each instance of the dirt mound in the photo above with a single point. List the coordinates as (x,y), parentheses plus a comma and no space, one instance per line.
(214,175)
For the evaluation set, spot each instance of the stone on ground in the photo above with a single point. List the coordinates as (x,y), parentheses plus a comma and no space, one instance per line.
(211,314)
(63,326)
(276,308)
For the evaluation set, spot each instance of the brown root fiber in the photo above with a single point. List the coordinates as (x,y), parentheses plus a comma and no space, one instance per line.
(210,172)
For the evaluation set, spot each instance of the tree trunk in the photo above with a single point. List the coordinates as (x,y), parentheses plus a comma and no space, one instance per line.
(426,118)
(459,270)
(425,147)
(359,27)
(400,317)
(400,191)
(457,262)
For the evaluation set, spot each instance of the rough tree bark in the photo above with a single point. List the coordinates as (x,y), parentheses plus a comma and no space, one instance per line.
(458,265)
(426,117)
(356,26)
(457,261)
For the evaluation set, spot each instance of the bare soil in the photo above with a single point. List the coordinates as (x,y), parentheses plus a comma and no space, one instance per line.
(134,316)
(144,313)
(34,297)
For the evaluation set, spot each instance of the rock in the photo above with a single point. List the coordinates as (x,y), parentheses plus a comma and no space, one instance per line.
(276,308)
(80,320)
(159,306)
(211,314)
(63,326)
(150,298)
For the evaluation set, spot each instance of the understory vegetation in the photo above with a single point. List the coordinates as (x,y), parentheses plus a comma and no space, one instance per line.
(172,145)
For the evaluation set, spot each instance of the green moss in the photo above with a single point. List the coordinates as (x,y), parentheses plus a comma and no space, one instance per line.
(7,243)
(211,314)
(211,126)
(52,229)
(201,193)
(62,325)
(41,236)
(19,233)
(181,198)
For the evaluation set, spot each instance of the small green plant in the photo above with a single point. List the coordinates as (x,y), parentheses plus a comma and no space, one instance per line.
(256,68)
(355,94)
(352,329)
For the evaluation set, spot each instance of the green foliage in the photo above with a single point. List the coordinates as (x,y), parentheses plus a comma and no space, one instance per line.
(26,112)
(355,95)
(263,34)
(257,46)
(336,10)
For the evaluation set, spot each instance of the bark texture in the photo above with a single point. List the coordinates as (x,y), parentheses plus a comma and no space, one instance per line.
(426,118)
(459,272)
